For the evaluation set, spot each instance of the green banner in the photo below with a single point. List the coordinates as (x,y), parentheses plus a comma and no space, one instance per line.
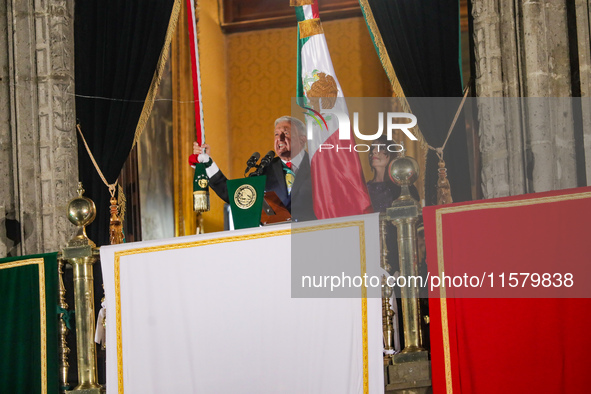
(29,361)
(246,200)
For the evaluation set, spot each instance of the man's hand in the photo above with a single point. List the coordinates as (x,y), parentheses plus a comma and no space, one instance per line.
(197,150)
(201,155)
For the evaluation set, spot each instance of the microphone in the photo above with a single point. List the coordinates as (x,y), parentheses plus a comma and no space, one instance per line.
(252,162)
(265,161)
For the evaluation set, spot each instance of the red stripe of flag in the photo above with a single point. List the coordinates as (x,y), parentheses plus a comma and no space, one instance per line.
(315,13)
(195,69)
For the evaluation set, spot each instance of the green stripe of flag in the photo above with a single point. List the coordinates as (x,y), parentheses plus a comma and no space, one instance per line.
(301,42)
(300,13)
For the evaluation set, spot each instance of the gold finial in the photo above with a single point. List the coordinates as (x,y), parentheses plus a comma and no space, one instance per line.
(402,153)
(81,212)
(404,170)
(80,189)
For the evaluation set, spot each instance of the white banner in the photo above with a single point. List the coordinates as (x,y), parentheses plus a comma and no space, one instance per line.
(213,313)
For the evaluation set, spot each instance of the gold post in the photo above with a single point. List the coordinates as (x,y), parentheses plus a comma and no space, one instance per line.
(388,328)
(81,253)
(404,213)
(199,229)
(383,243)
(387,312)
(64,349)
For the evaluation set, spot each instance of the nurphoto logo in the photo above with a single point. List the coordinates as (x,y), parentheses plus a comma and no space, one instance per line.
(392,120)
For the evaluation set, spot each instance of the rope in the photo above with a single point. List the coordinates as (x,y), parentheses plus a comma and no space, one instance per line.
(439,151)
(112,186)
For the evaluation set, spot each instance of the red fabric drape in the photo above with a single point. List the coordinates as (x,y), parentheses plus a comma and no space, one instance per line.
(495,339)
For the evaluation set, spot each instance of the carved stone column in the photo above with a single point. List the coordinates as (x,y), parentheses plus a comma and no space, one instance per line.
(583,19)
(3,239)
(6,182)
(39,145)
(522,50)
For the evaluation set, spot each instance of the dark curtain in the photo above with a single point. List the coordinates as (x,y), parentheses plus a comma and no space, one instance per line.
(422,39)
(117,47)
(21,329)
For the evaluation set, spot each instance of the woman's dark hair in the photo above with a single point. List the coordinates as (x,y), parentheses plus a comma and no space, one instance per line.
(383,140)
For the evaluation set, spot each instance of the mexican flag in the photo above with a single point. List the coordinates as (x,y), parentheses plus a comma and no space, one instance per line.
(337,177)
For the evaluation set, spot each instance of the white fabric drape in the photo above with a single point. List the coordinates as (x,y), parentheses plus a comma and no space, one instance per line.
(213,313)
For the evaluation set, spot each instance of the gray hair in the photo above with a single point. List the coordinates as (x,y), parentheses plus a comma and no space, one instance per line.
(299,125)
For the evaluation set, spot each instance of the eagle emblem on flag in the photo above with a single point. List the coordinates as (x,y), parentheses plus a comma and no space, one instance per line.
(323,88)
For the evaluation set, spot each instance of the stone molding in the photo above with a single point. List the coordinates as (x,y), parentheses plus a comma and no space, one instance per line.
(39,36)
(522,50)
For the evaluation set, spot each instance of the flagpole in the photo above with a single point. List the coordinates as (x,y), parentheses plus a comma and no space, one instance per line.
(200,179)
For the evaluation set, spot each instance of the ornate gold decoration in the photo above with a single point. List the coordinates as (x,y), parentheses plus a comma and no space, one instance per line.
(387,312)
(200,201)
(122,202)
(203,183)
(63,329)
(199,227)
(299,3)
(104,322)
(383,243)
(81,212)
(404,214)
(115,225)
(42,312)
(387,326)
(82,254)
(443,187)
(245,196)
(325,89)
(310,27)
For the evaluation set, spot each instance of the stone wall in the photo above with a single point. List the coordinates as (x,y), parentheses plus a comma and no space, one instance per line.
(583,22)
(523,49)
(38,147)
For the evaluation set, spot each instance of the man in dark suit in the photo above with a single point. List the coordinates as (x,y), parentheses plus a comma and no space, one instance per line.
(288,175)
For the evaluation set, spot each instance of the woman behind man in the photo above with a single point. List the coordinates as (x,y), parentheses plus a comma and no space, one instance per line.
(382,190)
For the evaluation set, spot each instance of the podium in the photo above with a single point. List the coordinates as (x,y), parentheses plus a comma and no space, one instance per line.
(251,206)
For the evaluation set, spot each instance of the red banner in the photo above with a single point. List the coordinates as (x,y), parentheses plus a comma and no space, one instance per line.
(502,323)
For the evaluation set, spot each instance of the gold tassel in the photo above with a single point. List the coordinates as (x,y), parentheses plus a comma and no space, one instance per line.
(201,201)
(122,202)
(115,224)
(443,186)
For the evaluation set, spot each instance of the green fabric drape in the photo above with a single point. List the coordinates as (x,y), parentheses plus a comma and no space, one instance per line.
(29,325)
(118,44)
(420,39)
